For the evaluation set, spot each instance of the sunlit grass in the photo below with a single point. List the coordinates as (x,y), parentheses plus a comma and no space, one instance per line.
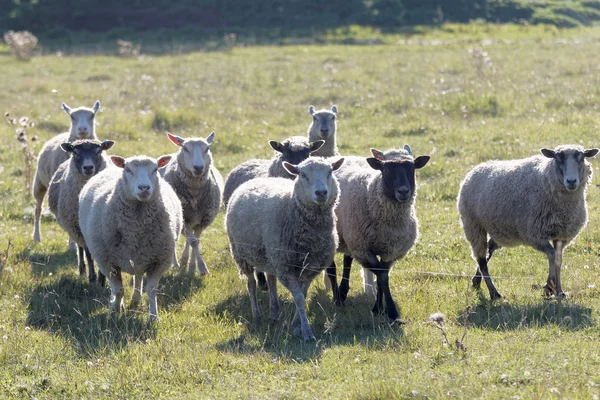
(58,340)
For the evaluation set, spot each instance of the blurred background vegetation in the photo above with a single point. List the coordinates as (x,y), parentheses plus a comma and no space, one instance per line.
(55,18)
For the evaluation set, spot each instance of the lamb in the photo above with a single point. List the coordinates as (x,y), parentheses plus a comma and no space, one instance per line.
(323,127)
(294,238)
(130,220)
(51,155)
(293,150)
(532,201)
(199,185)
(377,224)
(63,194)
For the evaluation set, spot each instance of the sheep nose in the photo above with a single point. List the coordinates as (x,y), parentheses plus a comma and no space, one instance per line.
(403,192)
(324,130)
(88,169)
(571,181)
(321,193)
(198,168)
(83,128)
(144,188)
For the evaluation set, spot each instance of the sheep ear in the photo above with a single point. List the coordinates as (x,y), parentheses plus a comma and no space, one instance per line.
(548,153)
(66,108)
(378,154)
(164,160)
(316,145)
(107,144)
(67,147)
(210,137)
(407,148)
(334,109)
(336,165)
(311,110)
(375,163)
(96,106)
(590,153)
(292,169)
(276,146)
(178,141)
(421,161)
(118,161)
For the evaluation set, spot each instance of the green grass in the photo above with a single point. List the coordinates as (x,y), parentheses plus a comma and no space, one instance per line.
(58,340)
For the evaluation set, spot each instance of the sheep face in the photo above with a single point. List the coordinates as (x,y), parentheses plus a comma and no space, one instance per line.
(315,182)
(296,149)
(87,155)
(324,122)
(398,176)
(82,120)
(194,155)
(140,175)
(570,165)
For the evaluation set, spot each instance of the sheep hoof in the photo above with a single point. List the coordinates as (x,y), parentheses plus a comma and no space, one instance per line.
(310,338)
(397,322)
(561,296)
(153,318)
(495,295)
(36,238)
(376,310)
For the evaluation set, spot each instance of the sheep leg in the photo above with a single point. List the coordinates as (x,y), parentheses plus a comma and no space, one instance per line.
(152,290)
(39,191)
(81,261)
(196,246)
(298,293)
(136,296)
(383,290)
(331,277)
(345,284)
(554,255)
(251,284)
(476,280)
(185,256)
(262,281)
(273,300)
(369,282)
(91,270)
(483,270)
(115,281)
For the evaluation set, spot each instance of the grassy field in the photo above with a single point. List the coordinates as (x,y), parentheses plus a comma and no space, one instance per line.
(461,101)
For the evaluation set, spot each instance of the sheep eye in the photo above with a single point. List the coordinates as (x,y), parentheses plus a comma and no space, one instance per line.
(329,173)
(333,118)
(315,119)
(302,174)
(206,151)
(186,149)
(72,118)
(155,170)
(128,170)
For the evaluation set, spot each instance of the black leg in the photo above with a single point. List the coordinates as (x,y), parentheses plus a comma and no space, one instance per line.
(332,275)
(345,284)
(92,269)
(378,307)
(384,286)
(492,246)
(262,281)
(483,267)
(80,261)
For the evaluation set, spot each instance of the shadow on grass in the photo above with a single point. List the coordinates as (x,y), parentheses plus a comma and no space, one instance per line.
(79,312)
(332,326)
(45,263)
(503,316)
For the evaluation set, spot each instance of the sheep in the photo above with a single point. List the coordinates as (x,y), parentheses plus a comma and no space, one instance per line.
(323,127)
(293,150)
(63,193)
(199,185)
(377,224)
(287,230)
(51,155)
(130,220)
(531,201)
(368,277)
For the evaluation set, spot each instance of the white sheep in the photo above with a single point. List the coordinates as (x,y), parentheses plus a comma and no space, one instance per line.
(130,219)
(323,127)
(532,201)
(51,155)
(287,230)
(377,224)
(293,150)
(199,185)
(63,194)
